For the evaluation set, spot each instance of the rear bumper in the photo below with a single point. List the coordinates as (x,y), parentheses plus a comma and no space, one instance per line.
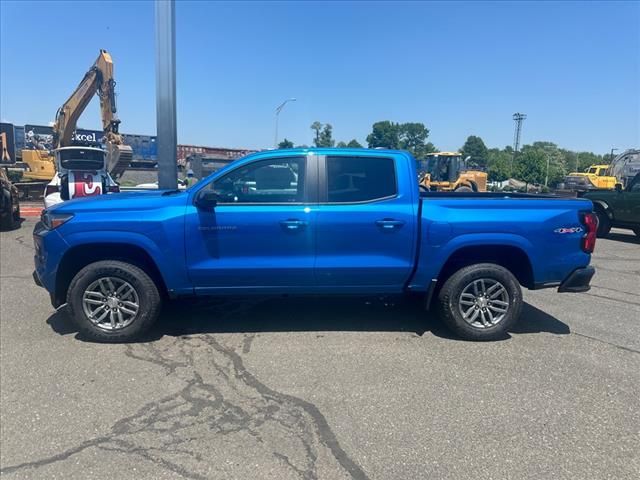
(578,280)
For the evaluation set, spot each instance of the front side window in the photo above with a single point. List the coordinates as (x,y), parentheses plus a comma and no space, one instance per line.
(360,179)
(276,180)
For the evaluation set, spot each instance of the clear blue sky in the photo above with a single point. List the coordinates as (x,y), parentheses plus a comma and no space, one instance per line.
(461,68)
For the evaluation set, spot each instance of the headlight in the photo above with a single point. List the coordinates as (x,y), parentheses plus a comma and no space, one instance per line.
(54,220)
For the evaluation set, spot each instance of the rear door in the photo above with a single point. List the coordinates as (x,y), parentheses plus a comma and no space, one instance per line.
(261,234)
(366,225)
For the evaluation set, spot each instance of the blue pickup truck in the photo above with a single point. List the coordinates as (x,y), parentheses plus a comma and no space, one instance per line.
(311,221)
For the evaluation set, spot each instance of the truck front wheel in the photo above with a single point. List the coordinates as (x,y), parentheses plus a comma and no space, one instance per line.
(112,301)
(481,302)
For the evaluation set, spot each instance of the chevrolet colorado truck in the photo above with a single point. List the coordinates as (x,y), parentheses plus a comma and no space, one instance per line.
(617,208)
(311,221)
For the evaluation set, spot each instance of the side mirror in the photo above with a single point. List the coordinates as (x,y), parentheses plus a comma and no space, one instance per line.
(618,187)
(207,200)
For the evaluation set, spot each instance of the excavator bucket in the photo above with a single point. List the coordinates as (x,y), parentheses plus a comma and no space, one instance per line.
(118,159)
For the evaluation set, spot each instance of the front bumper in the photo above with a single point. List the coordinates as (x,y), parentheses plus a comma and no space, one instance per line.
(578,280)
(36,279)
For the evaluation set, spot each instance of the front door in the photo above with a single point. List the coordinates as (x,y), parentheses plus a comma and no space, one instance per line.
(366,226)
(260,235)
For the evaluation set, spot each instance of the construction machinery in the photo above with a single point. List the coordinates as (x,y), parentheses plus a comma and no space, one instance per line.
(41,158)
(626,166)
(98,80)
(5,158)
(594,177)
(448,171)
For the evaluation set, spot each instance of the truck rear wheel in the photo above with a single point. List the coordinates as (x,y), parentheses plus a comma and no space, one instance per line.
(113,302)
(481,302)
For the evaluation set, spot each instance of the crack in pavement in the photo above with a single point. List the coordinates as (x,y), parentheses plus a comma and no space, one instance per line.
(625,302)
(628,349)
(24,243)
(221,404)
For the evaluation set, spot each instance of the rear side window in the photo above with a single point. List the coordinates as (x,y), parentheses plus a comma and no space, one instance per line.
(360,179)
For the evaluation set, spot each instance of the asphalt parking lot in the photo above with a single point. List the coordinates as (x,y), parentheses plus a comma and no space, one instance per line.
(324,388)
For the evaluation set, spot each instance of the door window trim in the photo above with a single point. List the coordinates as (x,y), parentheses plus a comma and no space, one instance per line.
(323,190)
(310,179)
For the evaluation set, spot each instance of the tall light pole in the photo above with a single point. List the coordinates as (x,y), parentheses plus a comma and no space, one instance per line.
(166,94)
(518,118)
(278,110)
(611,157)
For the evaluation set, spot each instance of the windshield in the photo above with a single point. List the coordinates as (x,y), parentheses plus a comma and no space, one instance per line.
(81,159)
(441,168)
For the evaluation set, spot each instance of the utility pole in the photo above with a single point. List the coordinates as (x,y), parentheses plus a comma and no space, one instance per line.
(518,118)
(546,178)
(611,157)
(166,126)
(577,161)
(278,110)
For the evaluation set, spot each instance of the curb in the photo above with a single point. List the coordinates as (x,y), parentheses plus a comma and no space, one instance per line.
(30,209)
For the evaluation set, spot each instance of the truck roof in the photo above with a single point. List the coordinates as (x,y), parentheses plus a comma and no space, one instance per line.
(331,151)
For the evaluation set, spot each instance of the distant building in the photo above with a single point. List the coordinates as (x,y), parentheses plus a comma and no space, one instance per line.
(229,154)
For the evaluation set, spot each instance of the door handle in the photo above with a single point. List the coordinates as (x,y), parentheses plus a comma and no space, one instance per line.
(293,224)
(389,224)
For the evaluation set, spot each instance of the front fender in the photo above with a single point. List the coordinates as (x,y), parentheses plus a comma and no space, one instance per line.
(170,263)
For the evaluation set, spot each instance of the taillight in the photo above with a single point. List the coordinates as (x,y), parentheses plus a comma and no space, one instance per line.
(590,221)
(51,189)
(113,189)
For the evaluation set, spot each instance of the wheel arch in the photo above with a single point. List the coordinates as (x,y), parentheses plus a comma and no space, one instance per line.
(511,257)
(80,256)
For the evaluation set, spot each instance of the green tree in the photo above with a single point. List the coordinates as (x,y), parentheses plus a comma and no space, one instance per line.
(353,143)
(341,144)
(316,127)
(530,165)
(325,139)
(475,148)
(384,134)
(498,164)
(285,144)
(413,137)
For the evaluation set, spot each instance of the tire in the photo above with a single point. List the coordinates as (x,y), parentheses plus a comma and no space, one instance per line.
(604,223)
(92,281)
(463,189)
(637,231)
(503,305)
(6,222)
(16,218)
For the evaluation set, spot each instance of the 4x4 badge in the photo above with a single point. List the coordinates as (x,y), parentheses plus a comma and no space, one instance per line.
(568,230)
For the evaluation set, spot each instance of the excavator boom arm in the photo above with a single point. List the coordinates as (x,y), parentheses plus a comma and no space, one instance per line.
(98,80)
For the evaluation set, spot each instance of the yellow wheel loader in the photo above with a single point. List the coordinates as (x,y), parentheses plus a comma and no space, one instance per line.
(449,172)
